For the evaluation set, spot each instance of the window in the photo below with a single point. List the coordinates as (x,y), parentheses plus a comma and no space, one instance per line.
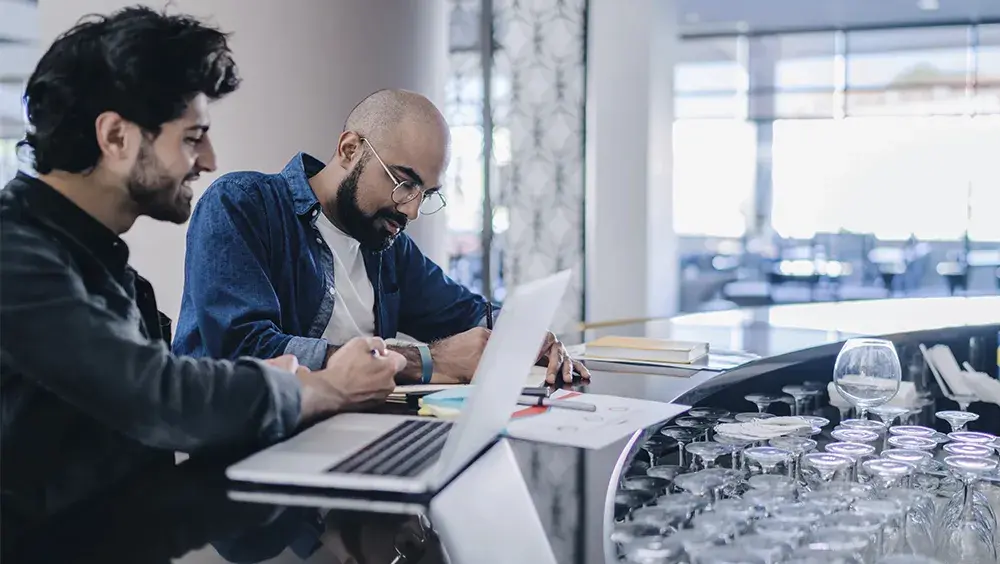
(793,76)
(713,176)
(932,177)
(710,81)
(987,95)
(908,72)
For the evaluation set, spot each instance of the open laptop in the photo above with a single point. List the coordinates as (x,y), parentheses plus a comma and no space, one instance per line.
(419,455)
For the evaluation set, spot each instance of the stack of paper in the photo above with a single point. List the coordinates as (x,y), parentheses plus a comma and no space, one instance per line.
(764,429)
(645,349)
(613,419)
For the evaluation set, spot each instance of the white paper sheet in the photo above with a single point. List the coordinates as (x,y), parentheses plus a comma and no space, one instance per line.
(615,419)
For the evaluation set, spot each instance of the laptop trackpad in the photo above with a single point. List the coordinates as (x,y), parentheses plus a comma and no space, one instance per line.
(341,438)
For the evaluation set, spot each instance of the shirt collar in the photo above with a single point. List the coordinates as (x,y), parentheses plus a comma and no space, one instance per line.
(60,213)
(297,173)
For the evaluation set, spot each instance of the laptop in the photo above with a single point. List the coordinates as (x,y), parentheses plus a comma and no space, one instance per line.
(371,452)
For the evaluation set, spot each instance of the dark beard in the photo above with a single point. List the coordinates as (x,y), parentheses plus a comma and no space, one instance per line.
(360,225)
(154,191)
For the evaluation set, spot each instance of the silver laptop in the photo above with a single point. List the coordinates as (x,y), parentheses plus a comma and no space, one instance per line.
(419,455)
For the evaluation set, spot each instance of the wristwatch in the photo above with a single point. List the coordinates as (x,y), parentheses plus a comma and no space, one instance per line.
(426,364)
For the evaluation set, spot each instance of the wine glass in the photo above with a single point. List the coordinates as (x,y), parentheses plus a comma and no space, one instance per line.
(957,419)
(964,539)
(826,464)
(762,400)
(973,437)
(867,373)
(683,436)
(888,414)
(708,452)
(799,395)
(768,458)
(711,413)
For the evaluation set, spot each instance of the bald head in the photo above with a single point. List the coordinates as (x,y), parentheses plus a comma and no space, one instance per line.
(390,162)
(388,116)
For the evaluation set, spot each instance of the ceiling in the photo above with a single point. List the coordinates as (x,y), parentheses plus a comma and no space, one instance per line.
(728,16)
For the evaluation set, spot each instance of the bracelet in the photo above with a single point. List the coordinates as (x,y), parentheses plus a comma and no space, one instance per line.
(426,364)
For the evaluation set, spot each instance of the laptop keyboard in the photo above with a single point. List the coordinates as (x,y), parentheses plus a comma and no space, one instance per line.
(405,450)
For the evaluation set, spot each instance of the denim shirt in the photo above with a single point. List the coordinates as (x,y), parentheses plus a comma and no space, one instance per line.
(258,276)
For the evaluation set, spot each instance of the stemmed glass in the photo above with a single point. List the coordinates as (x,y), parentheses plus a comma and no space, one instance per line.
(762,400)
(768,457)
(966,539)
(855,436)
(973,437)
(799,395)
(797,446)
(708,452)
(887,473)
(735,446)
(968,449)
(713,414)
(918,458)
(912,431)
(867,373)
(826,464)
(957,419)
(746,416)
(653,549)
(701,483)
(912,442)
(657,446)
(815,390)
(854,451)
(699,424)
(683,436)
(888,414)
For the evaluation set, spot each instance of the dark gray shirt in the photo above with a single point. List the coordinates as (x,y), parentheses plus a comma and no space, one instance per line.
(89,391)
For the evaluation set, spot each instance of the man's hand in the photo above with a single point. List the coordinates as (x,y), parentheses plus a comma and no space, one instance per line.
(288,363)
(456,358)
(557,361)
(360,375)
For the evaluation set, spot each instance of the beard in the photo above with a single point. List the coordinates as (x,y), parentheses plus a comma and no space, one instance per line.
(156,193)
(360,225)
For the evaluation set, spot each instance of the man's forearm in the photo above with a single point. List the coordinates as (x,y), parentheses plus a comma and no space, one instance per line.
(414,367)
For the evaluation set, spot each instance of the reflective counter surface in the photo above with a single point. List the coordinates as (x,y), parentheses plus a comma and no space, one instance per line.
(187,513)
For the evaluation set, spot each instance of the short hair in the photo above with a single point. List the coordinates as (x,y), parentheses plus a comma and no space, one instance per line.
(145,65)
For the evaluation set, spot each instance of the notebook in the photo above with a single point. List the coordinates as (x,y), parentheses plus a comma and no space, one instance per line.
(644,349)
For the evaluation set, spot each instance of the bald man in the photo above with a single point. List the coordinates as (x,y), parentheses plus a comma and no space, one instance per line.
(301,261)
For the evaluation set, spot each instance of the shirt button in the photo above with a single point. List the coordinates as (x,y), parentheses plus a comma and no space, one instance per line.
(333,292)
(318,240)
(315,213)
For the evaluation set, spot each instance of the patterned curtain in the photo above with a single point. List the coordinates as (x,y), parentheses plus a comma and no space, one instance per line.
(538,99)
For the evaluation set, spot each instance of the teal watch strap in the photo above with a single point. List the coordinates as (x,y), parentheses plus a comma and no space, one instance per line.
(426,364)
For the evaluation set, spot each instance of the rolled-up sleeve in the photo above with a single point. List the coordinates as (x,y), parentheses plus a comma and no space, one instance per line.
(70,342)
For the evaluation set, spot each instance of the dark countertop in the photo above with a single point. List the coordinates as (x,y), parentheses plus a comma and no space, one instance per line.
(185,513)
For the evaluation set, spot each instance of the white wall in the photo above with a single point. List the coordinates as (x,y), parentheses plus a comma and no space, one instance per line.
(630,243)
(305,64)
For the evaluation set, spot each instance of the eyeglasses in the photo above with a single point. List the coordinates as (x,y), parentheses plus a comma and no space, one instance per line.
(405,191)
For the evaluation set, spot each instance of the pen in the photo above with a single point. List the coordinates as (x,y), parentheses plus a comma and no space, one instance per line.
(564,404)
(489,315)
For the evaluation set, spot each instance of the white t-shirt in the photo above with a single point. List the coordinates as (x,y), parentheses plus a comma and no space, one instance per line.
(354,297)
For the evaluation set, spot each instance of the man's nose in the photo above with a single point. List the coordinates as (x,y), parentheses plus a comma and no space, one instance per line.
(412,208)
(206,156)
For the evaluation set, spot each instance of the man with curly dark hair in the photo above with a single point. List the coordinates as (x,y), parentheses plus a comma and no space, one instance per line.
(118,116)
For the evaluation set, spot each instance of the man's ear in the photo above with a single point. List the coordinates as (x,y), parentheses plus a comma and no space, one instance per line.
(348,149)
(115,136)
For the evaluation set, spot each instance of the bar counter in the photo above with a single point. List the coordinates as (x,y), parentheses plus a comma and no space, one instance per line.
(191,514)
